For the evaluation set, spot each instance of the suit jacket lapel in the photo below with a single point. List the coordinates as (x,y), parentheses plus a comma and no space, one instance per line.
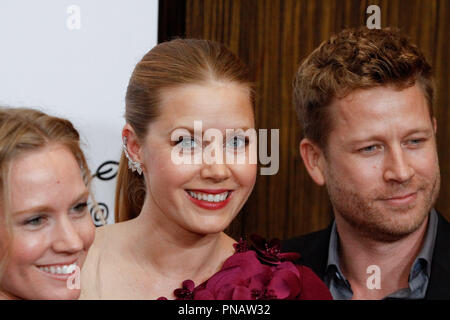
(316,254)
(439,285)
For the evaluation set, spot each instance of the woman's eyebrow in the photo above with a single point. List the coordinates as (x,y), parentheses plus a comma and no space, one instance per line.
(46,208)
(191,130)
(38,208)
(80,197)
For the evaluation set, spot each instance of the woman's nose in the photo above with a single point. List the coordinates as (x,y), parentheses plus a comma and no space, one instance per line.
(66,237)
(217,172)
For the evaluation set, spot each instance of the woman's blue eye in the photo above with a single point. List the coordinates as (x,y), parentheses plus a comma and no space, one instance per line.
(35,221)
(237,142)
(187,143)
(80,207)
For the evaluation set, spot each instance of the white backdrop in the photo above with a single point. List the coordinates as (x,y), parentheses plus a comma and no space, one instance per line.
(74,59)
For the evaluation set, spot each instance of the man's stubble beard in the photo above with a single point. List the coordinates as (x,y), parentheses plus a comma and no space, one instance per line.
(366,215)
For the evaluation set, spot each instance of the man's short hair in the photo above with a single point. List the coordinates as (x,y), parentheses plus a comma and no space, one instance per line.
(355,59)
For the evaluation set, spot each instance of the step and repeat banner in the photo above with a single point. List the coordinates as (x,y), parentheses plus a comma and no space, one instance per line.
(73,59)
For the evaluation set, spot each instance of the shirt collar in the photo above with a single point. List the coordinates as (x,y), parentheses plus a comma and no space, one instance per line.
(423,258)
(333,251)
(333,257)
(426,253)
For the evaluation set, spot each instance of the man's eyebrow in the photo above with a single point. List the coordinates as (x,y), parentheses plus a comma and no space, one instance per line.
(377,137)
(427,131)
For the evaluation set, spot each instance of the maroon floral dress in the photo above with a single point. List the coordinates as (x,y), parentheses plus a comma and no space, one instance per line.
(257,271)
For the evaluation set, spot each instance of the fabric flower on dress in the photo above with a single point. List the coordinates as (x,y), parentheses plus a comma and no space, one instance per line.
(186,291)
(270,252)
(241,246)
(240,274)
(257,272)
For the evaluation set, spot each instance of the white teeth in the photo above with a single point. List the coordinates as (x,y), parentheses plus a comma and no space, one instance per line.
(209,197)
(65,269)
(71,268)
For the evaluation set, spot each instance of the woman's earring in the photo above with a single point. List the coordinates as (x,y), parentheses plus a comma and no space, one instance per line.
(133,165)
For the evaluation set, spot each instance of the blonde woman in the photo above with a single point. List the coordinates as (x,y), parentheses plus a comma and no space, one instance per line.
(45,226)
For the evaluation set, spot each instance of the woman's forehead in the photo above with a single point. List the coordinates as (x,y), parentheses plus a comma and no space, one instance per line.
(218,106)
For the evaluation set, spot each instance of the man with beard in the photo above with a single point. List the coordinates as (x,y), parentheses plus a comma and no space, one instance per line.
(364,100)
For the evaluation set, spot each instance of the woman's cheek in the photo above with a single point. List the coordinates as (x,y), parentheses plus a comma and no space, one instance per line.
(87,231)
(28,246)
(245,174)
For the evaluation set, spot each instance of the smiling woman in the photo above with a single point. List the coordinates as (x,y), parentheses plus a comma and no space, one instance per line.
(45,227)
(172,215)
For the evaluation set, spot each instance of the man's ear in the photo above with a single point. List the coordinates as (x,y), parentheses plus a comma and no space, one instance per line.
(312,157)
(132,143)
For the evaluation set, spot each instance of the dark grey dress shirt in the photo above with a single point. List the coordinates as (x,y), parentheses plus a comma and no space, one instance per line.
(418,277)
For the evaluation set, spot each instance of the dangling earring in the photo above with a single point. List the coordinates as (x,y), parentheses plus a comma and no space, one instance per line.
(133,165)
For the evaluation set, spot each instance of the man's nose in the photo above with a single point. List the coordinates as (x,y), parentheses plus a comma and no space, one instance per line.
(398,167)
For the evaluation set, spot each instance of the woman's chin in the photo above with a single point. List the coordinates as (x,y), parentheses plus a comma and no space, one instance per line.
(209,228)
(64,294)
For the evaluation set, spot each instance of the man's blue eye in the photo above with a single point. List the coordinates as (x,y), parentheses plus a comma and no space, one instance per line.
(416,141)
(369,149)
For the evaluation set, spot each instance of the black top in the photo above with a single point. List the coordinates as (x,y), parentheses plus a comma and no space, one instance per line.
(313,248)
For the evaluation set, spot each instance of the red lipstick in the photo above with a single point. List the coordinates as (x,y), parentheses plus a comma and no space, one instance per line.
(210,205)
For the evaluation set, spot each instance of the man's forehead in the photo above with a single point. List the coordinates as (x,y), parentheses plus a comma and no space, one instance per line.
(366,107)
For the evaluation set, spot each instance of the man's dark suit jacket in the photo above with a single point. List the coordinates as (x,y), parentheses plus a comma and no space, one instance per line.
(313,249)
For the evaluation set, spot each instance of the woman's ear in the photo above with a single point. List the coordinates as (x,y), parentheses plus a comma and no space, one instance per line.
(131,142)
(312,158)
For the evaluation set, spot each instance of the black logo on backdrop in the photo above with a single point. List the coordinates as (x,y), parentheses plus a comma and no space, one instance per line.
(99,213)
(105,172)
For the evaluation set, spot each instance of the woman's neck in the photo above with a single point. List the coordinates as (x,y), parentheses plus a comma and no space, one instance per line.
(162,246)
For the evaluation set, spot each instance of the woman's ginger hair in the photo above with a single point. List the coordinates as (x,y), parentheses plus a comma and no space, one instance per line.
(354,59)
(24,130)
(168,65)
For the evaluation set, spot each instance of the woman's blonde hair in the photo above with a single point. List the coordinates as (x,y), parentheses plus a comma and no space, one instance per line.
(170,64)
(25,130)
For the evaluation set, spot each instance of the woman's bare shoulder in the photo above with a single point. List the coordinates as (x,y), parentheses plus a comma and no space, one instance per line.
(227,245)
(96,264)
